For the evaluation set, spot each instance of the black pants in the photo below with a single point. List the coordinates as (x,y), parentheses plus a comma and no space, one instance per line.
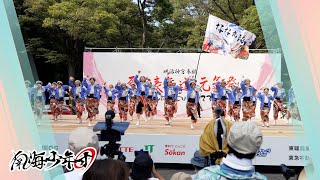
(199,109)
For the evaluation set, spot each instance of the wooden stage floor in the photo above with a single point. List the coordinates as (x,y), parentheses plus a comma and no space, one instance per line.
(157,126)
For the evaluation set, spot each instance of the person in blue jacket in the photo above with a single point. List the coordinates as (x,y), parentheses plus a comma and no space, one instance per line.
(214,98)
(193,97)
(236,101)
(111,94)
(142,92)
(133,100)
(60,92)
(265,104)
(39,98)
(222,96)
(79,96)
(178,90)
(247,97)
(93,97)
(169,97)
(124,94)
(52,97)
(152,101)
(278,95)
(293,111)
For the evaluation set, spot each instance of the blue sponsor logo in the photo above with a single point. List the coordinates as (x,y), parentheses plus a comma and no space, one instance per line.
(263,152)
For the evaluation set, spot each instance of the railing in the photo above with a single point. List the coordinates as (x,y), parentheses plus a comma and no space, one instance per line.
(166,50)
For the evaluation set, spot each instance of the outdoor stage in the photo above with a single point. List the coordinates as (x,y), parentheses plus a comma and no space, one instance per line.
(180,126)
(178,142)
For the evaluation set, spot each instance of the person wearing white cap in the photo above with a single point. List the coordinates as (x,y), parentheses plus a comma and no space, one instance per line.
(193,97)
(236,101)
(247,103)
(169,96)
(278,95)
(78,92)
(111,94)
(265,105)
(39,99)
(142,92)
(93,97)
(244,141)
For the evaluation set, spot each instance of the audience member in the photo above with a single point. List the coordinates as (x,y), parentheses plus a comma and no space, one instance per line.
(244,141)
(79,139)
(213,141)
(198,161)
(107,169)
(144,169)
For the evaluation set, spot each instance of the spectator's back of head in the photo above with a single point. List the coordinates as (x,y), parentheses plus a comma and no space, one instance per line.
(244,139)
(198,161)
(81,138)
(142,167)
(181,176)
(107,169)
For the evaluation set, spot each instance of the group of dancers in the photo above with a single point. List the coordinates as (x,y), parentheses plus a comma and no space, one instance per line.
(245,97)
(141,98)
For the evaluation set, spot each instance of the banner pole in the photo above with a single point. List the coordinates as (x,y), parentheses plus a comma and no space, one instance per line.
(195,77)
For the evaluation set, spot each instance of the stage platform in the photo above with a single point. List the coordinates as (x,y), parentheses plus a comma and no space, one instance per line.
(180,126)
(178,142)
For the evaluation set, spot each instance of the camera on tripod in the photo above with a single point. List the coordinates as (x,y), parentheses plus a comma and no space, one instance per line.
(111,131)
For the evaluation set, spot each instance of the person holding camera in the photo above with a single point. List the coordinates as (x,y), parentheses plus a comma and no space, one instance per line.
(143,168)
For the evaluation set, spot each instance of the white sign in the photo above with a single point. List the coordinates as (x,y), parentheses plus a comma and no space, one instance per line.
(112,67)
(180,148)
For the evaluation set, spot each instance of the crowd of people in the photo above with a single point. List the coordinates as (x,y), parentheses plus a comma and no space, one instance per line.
(240,141)
(142,97)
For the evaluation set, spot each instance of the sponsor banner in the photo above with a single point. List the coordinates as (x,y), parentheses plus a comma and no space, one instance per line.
(114,67)
(180,148)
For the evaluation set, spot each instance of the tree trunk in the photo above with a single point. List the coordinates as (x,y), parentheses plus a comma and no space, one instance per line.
(71,69)
(144,32)
(141,7)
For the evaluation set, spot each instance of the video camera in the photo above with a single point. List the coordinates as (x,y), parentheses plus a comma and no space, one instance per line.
(112,133)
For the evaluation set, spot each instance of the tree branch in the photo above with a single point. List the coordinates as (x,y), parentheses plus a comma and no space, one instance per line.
(221,9)
(229,6)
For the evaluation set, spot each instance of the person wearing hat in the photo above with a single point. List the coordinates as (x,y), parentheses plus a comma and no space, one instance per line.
(93,97)
(199,162)
(39,98)
(278,95)
(152,100)
(236,101)
(193,97)
(79,96)
(29,89)
(244,140)
(213,141)
(155,100)
(214,97)
(144,169)
(111,94)
(133,100)
(265,105)
(59,92)
(178,90)
(169,99)
(223,95)
(142,92)
(247,103)
(123,96)
(52,97)
(293,111)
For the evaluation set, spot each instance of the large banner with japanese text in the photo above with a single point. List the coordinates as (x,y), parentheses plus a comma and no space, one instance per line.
(113,67)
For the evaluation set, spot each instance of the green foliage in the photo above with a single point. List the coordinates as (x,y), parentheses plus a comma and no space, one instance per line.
(57,31)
